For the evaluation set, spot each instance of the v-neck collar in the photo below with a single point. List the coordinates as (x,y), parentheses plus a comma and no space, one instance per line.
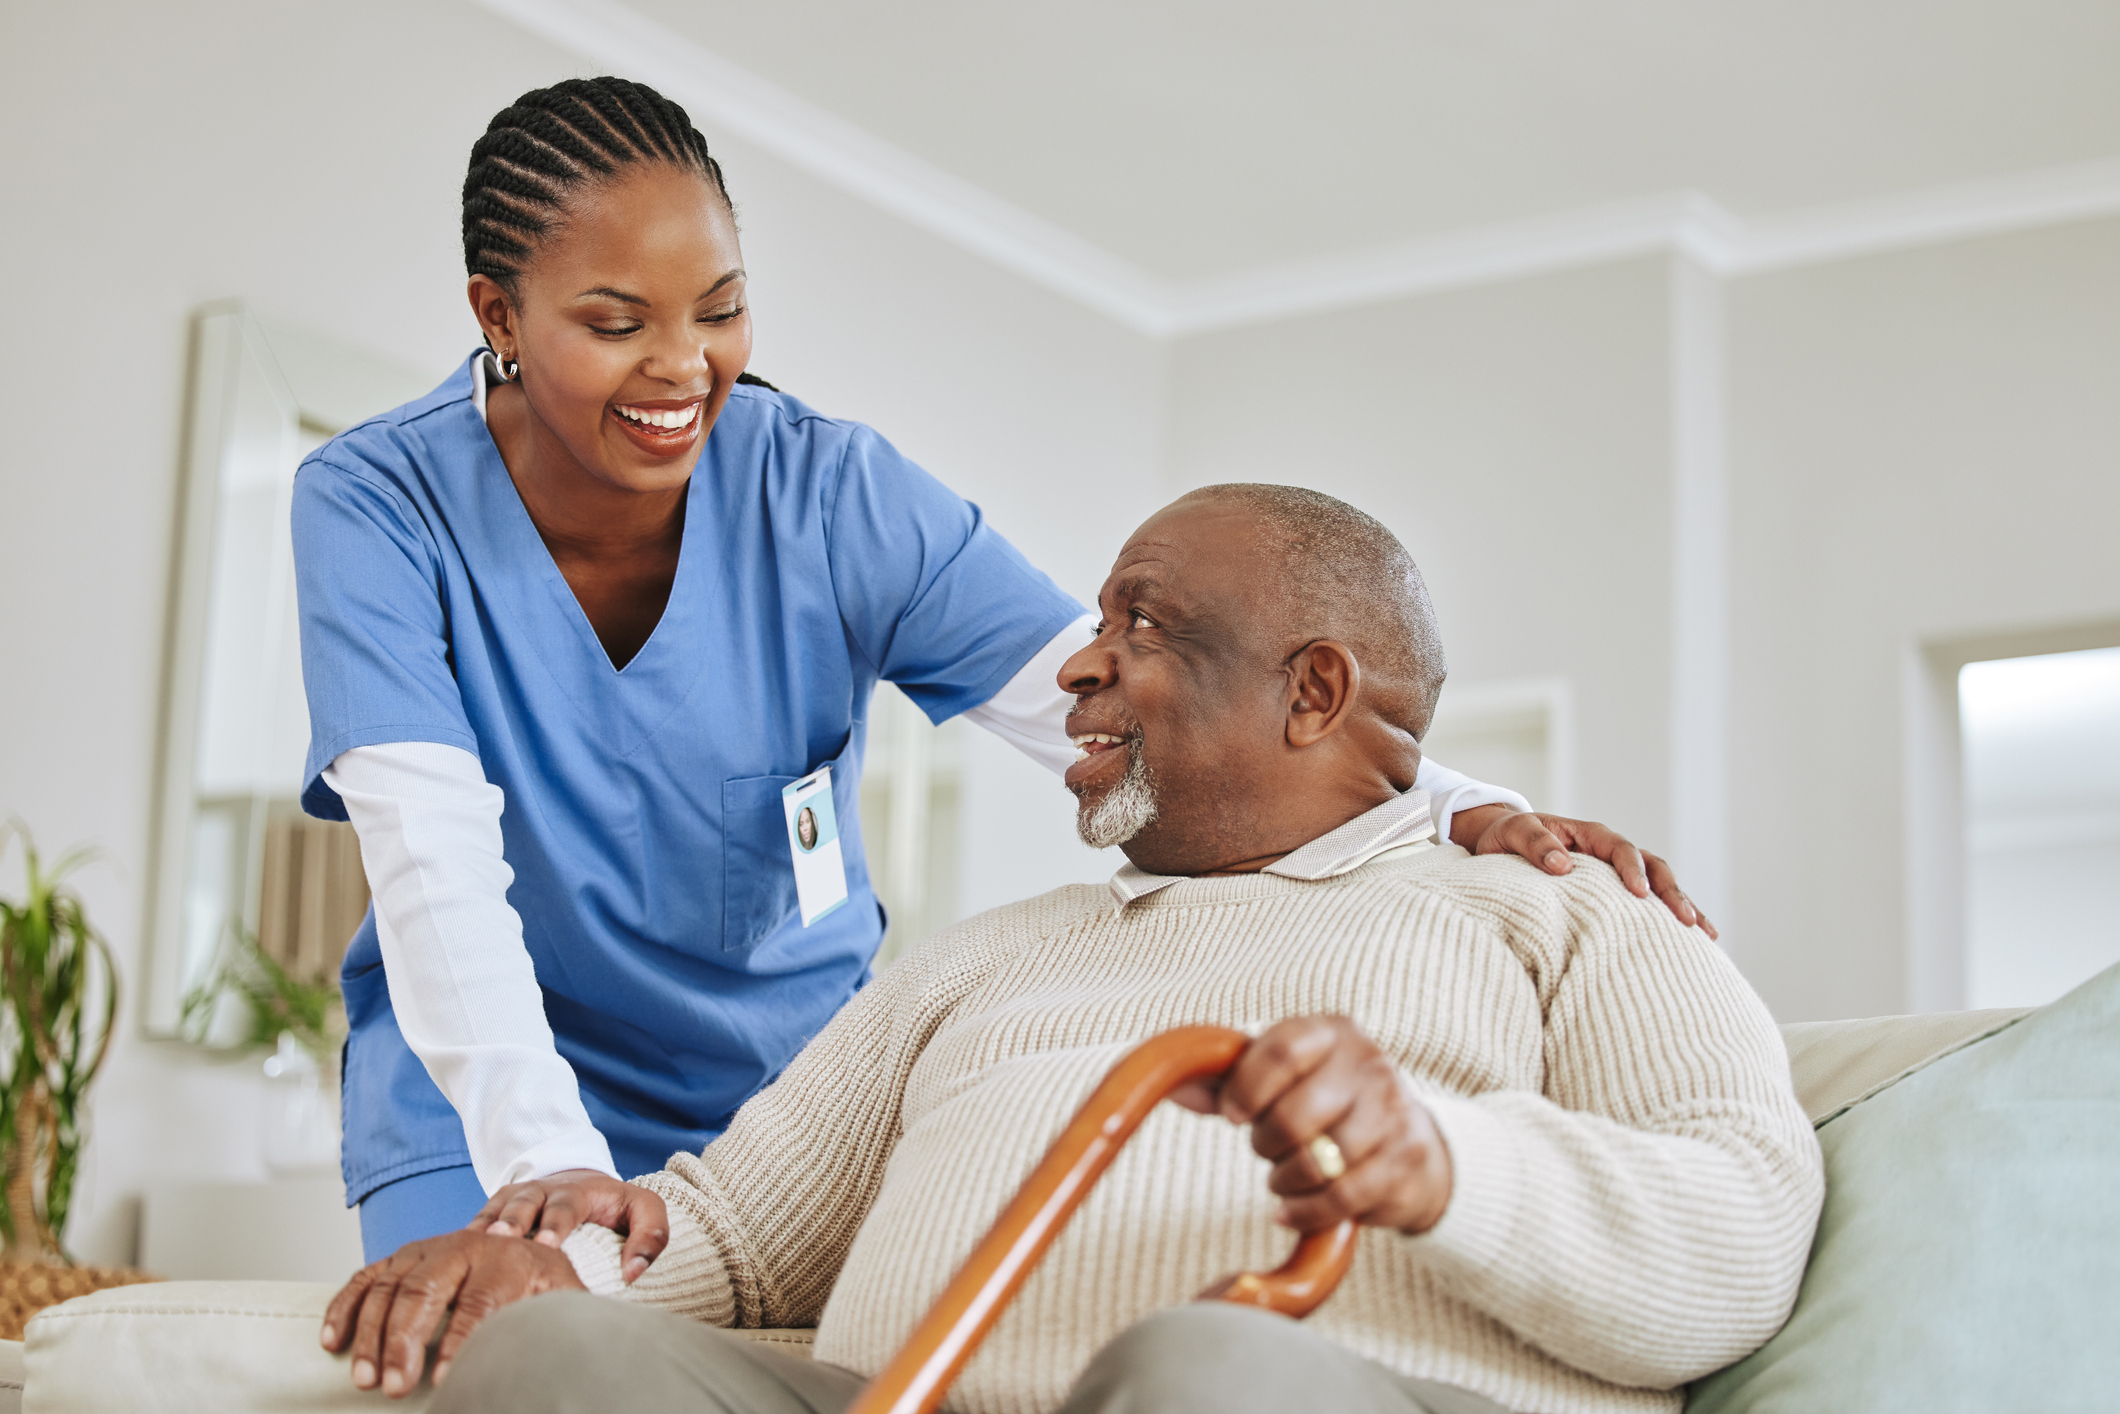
(657,678)
(485,376)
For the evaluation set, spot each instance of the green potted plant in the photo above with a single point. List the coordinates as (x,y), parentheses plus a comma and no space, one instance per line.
(252,1002)
(60,998)
(55,1029)
(273,1004)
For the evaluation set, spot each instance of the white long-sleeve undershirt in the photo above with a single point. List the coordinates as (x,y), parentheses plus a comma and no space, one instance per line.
(461,979)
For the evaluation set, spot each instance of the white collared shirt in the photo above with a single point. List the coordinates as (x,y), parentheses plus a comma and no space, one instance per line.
(1401,825)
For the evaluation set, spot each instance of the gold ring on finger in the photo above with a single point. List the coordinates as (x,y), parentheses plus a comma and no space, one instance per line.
(1327,1156)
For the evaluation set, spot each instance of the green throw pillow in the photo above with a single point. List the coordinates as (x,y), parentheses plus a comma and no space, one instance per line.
(1969,1254)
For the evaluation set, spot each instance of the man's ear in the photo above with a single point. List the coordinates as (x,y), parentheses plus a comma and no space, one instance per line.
(1323,680)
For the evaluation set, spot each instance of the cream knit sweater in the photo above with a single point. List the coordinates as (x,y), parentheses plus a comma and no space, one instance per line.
(1635,1186)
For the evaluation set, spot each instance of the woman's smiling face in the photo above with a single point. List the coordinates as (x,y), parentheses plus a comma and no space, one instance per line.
(630,324)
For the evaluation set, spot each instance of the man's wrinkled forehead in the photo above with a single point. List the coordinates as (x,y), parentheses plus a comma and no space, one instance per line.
(1146,565)
(1194,554)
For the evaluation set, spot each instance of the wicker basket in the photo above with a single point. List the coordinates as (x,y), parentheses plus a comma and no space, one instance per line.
(28,1287)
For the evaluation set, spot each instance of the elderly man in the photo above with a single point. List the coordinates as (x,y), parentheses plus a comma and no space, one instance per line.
(1564,1120)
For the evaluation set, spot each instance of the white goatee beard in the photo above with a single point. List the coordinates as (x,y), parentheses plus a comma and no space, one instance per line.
(1127,808)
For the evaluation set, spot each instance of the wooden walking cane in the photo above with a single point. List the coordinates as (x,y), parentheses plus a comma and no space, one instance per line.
(920,1373)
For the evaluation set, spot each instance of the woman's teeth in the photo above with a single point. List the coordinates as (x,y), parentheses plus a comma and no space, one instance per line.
(1083,743)
(648,417)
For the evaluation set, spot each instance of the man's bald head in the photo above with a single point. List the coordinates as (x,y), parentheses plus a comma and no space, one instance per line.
(1264,664)
(1343,575)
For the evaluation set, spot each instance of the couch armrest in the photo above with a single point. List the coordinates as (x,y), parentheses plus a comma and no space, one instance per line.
(214,1347)
(1836,1064)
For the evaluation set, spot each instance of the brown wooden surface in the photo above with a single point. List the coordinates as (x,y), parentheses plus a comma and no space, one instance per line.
(920,1374)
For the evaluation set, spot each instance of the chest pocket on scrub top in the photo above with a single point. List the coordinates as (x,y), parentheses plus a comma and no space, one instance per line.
(757,877)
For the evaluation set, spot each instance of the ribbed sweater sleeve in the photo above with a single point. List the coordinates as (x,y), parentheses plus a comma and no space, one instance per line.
(689,1277)
(762,1218)
(1647,1217)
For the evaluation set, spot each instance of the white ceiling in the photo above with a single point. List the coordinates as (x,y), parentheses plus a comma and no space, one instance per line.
(1192,139)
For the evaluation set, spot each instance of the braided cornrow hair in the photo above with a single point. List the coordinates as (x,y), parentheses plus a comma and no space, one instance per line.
(551,142)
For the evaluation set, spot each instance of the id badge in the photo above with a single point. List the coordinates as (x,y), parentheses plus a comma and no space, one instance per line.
(813,844)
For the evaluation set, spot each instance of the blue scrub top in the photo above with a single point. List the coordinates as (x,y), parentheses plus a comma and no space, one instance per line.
(643,814)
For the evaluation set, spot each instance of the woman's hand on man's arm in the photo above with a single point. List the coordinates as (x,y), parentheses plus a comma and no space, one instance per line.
(547,1209)
(390,1309)
(1546,841)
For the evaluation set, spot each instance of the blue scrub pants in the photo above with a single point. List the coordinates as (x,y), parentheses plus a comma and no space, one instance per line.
(424,1205)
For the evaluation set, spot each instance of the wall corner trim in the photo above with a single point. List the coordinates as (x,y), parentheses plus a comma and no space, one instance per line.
(1700,588)
(725,95)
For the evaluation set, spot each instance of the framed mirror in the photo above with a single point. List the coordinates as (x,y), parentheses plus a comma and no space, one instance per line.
(233,856)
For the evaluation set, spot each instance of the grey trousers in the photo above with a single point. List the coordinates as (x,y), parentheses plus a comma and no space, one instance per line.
(573,1352)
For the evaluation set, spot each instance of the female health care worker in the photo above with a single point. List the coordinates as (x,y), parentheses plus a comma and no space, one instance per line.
(581,631)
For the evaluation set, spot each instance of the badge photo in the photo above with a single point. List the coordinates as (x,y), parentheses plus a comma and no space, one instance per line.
(813,845)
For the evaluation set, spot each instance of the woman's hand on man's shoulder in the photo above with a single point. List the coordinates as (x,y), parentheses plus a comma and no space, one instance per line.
(1546,841)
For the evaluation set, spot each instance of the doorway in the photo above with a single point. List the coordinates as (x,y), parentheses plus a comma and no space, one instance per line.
(2040,743)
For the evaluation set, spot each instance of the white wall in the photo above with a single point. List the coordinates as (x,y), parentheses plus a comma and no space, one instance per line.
(307,158)
(1517,439)
(1926,446)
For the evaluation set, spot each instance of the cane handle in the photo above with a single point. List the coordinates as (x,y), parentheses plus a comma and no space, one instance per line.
(920,1373)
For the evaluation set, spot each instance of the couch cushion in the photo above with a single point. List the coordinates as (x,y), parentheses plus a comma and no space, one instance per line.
(1836,1064)
(1969,1249)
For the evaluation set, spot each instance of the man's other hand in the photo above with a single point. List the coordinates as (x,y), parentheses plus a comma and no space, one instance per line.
(390,1309)
(1319,1076)
(547,1209)
(1546,840)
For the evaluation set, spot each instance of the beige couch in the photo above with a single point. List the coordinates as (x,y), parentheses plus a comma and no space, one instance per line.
(220,1346)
